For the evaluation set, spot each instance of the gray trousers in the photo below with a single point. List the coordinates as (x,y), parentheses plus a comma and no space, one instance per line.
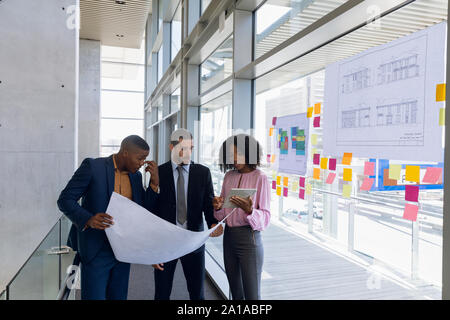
(243,258)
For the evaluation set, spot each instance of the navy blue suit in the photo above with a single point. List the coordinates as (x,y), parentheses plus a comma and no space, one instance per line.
(102,276)
(199,202)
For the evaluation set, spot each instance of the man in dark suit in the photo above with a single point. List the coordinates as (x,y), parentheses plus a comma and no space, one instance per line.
(185,195)
(102,276)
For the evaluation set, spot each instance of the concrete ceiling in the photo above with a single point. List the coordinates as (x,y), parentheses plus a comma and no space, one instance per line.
(114,24)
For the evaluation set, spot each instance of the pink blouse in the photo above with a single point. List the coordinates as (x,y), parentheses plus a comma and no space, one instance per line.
(260,217)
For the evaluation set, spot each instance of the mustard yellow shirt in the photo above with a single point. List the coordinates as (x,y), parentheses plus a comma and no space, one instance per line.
(122,183)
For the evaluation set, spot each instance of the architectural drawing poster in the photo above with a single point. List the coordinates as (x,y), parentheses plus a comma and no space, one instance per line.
(381,103)
(291,142)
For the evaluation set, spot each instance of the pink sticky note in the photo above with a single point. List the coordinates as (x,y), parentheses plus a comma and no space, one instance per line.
(268,158)
(410,212)
(274,121)
(432,175)
(316,159)
(369,168)
(367,184)
(301,194)
(302,182)
(274,185)
(331,177)
(332,164)
(316,123)
(285,192)
(412,193)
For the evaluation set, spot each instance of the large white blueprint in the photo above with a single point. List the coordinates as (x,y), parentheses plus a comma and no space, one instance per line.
(381,103)
(138,236)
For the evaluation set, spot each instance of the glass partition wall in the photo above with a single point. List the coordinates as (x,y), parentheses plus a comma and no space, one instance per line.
(345,224)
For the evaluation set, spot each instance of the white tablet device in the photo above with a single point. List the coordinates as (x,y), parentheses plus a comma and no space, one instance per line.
(244,193)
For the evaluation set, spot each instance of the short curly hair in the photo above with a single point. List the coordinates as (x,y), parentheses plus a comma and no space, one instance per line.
(246,145)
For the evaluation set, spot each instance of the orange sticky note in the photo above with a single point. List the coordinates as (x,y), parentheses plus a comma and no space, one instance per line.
(316,173)
(286,181)
(273,159)
(271,132)
(317,108)
(440,92)
(309,112)
(347,174)
(412,173)
(347,158)
(324,163)
(278,180)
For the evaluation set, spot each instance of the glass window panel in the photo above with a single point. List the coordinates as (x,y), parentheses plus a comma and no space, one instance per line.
(116,104)
(160,14)
(107,151)
(175,30)
(204,4)
(175,101)
(382,238)
(119,76)
(218,66)
(278,20)
(215,127)
(128,55)
(113,131)
(160,63)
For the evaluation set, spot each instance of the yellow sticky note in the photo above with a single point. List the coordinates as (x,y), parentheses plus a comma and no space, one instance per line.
(314,139)
(309,112)
(412,173)
(394,171)
(440,92)
(286,181)
(347,158)
(316,173)
(278,191)
(317,108)
(274,175)
(308,189)
(346,190)
(442,116)
(295,186)
(278,180)
(324,163)
(271,132)
(347,174)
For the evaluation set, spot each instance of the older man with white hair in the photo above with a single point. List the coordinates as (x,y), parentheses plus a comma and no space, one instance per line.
(184,195)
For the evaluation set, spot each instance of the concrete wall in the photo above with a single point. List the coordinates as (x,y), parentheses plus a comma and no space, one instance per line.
(38,111)
(89,100)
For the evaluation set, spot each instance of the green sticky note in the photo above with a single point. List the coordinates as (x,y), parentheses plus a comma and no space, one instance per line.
(442,116)
(346,190)
(394,171)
